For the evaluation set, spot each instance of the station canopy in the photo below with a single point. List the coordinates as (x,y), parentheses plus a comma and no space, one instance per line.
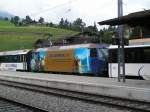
(141,18)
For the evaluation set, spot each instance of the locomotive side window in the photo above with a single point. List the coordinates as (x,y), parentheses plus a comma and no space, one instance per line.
(93,52)
(103,54)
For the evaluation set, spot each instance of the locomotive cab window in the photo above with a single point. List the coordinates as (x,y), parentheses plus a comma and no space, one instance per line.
(93,52)
(102,54)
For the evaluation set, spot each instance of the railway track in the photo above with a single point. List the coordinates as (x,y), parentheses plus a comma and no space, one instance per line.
(123,104)
(11,106)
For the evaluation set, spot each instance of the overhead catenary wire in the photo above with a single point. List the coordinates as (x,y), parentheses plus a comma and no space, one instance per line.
(54,7)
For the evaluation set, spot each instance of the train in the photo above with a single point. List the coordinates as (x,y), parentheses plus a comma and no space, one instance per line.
(84,59)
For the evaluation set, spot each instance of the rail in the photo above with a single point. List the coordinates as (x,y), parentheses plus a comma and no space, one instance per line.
(11,106)
(121,103)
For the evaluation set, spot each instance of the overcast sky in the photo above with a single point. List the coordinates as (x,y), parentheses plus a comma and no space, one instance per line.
(89,10)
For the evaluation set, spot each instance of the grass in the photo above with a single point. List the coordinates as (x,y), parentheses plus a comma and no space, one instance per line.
(15,42)
(14,38)
(4,23)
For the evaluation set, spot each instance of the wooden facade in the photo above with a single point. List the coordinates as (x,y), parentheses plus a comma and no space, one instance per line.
(81,38)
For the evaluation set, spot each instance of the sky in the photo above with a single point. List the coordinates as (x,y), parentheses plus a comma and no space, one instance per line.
(89,10)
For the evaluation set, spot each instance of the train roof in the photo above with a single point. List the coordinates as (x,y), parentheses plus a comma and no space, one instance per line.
(17,52)
(84,46)
(73,47)
(130,46)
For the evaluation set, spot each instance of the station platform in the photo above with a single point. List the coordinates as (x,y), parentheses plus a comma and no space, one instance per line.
(132,89)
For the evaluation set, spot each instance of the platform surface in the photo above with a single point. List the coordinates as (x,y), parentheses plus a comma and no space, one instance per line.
(79,79)
(134,89)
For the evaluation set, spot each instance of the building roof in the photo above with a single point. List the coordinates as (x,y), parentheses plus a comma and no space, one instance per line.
(89,45)
(41,43)
(143,41)
(141,18)
(129,46)
(83,37)
(16,52)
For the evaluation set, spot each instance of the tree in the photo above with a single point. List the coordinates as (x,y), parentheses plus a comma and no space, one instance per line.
(95,27)
(24,22)
(61,23)
(28,19)
(15,20)
(78,24)
(34,21)
(66,24)
(41,20)
(92,29)
(106,34)
(12,20)
(6,18)
(51,24)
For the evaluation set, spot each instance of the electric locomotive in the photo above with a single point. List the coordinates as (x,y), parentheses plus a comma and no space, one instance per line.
(82,59)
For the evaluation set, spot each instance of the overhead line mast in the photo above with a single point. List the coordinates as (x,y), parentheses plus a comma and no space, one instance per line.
(121,62)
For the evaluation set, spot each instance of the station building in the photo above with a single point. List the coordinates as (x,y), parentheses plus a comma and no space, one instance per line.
(138,19)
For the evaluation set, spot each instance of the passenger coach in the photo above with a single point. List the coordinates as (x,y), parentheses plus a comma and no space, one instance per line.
(13,60)
(137,61)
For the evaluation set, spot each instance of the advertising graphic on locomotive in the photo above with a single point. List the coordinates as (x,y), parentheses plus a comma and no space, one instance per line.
(85,58)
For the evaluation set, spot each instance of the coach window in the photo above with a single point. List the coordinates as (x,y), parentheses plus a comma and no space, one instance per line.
(147,55)
(6,59)
(16,58)
(139,55)
(10,58)
(21,58)
(113,55)
(127,55)
(0,58)
(132,58)
(130,55)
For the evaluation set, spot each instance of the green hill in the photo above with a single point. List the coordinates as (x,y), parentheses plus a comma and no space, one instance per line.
(14,38)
